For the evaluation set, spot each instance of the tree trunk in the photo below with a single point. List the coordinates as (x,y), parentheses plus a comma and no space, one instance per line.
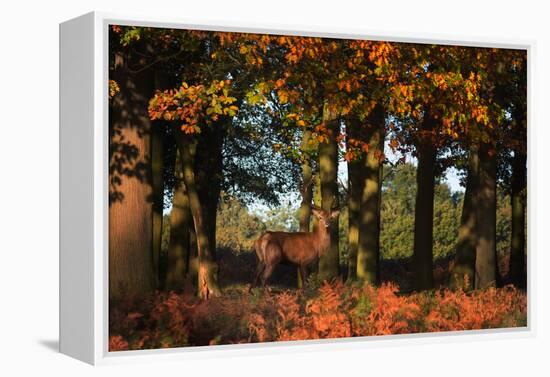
(314,267)
(158,194)
(193,260)
(486,205)
(424,209)
(518,272)
(355,186)
(130,204)
(207,267)
(316,194)
(304,213)
(180,223)
(162,82)
(329,262)
(368,250)
(518,269)
(463,271)
(209,170)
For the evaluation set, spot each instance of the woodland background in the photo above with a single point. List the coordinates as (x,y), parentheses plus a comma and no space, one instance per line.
(209,124)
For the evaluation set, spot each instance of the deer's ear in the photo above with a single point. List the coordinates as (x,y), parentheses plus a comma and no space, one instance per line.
(316,212)
(334,214)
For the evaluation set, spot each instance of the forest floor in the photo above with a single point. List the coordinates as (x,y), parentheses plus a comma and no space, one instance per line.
(320,310)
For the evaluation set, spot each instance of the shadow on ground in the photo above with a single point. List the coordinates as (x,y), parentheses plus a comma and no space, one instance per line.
(238,269)
(52,345)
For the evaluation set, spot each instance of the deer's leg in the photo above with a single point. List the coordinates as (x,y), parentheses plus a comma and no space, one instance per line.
(268,270)
(259,269)
(303,274)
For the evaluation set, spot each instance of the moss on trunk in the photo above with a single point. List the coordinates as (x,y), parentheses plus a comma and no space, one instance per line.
(463,271)
(355,186)
(368,250)
(180,224)
(304,212)
(486,204)
(207,267)
(329,263)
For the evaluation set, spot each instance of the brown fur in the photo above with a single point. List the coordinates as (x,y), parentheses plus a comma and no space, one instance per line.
(300,248)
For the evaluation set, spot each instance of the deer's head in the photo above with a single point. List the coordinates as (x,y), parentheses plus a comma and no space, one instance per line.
(325,217)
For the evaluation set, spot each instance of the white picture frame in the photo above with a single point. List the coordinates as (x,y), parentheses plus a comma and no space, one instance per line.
(84,192)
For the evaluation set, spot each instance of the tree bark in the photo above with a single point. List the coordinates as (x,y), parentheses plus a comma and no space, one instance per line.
(518,272)
(158,194)
(356,184)
(162,82)
(193,266)
(130,204)
(486,205)
(209,170)
(518,269)
(314,268)
(304,212)
(180,224)
(463,271)
(329,262)
(368,250)
(207,267)
(424,209)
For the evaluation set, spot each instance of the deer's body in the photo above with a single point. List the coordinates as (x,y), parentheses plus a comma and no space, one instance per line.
(299,248)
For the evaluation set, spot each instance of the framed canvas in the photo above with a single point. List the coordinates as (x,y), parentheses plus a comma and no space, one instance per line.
(244,188)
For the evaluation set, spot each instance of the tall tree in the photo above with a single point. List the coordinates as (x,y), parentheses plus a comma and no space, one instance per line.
(144,59)
(306,190)
(180,223)
(368,250)
(130,205)
(463,271)
(424,208)
(329,262)
(200,108)
(164,79)
(438,103)
(208,269)
(158,194)
(208,167)
(518,269)
(356,183)
(486,253)
(367,81)
(490,87)
(518,86)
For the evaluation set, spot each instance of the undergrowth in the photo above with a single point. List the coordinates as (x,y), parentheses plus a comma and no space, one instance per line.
(333,310)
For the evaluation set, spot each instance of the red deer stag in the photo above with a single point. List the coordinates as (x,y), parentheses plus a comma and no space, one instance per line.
(299,248)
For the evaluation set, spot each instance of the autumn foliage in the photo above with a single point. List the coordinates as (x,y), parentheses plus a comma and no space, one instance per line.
(193,104)
(335,310)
